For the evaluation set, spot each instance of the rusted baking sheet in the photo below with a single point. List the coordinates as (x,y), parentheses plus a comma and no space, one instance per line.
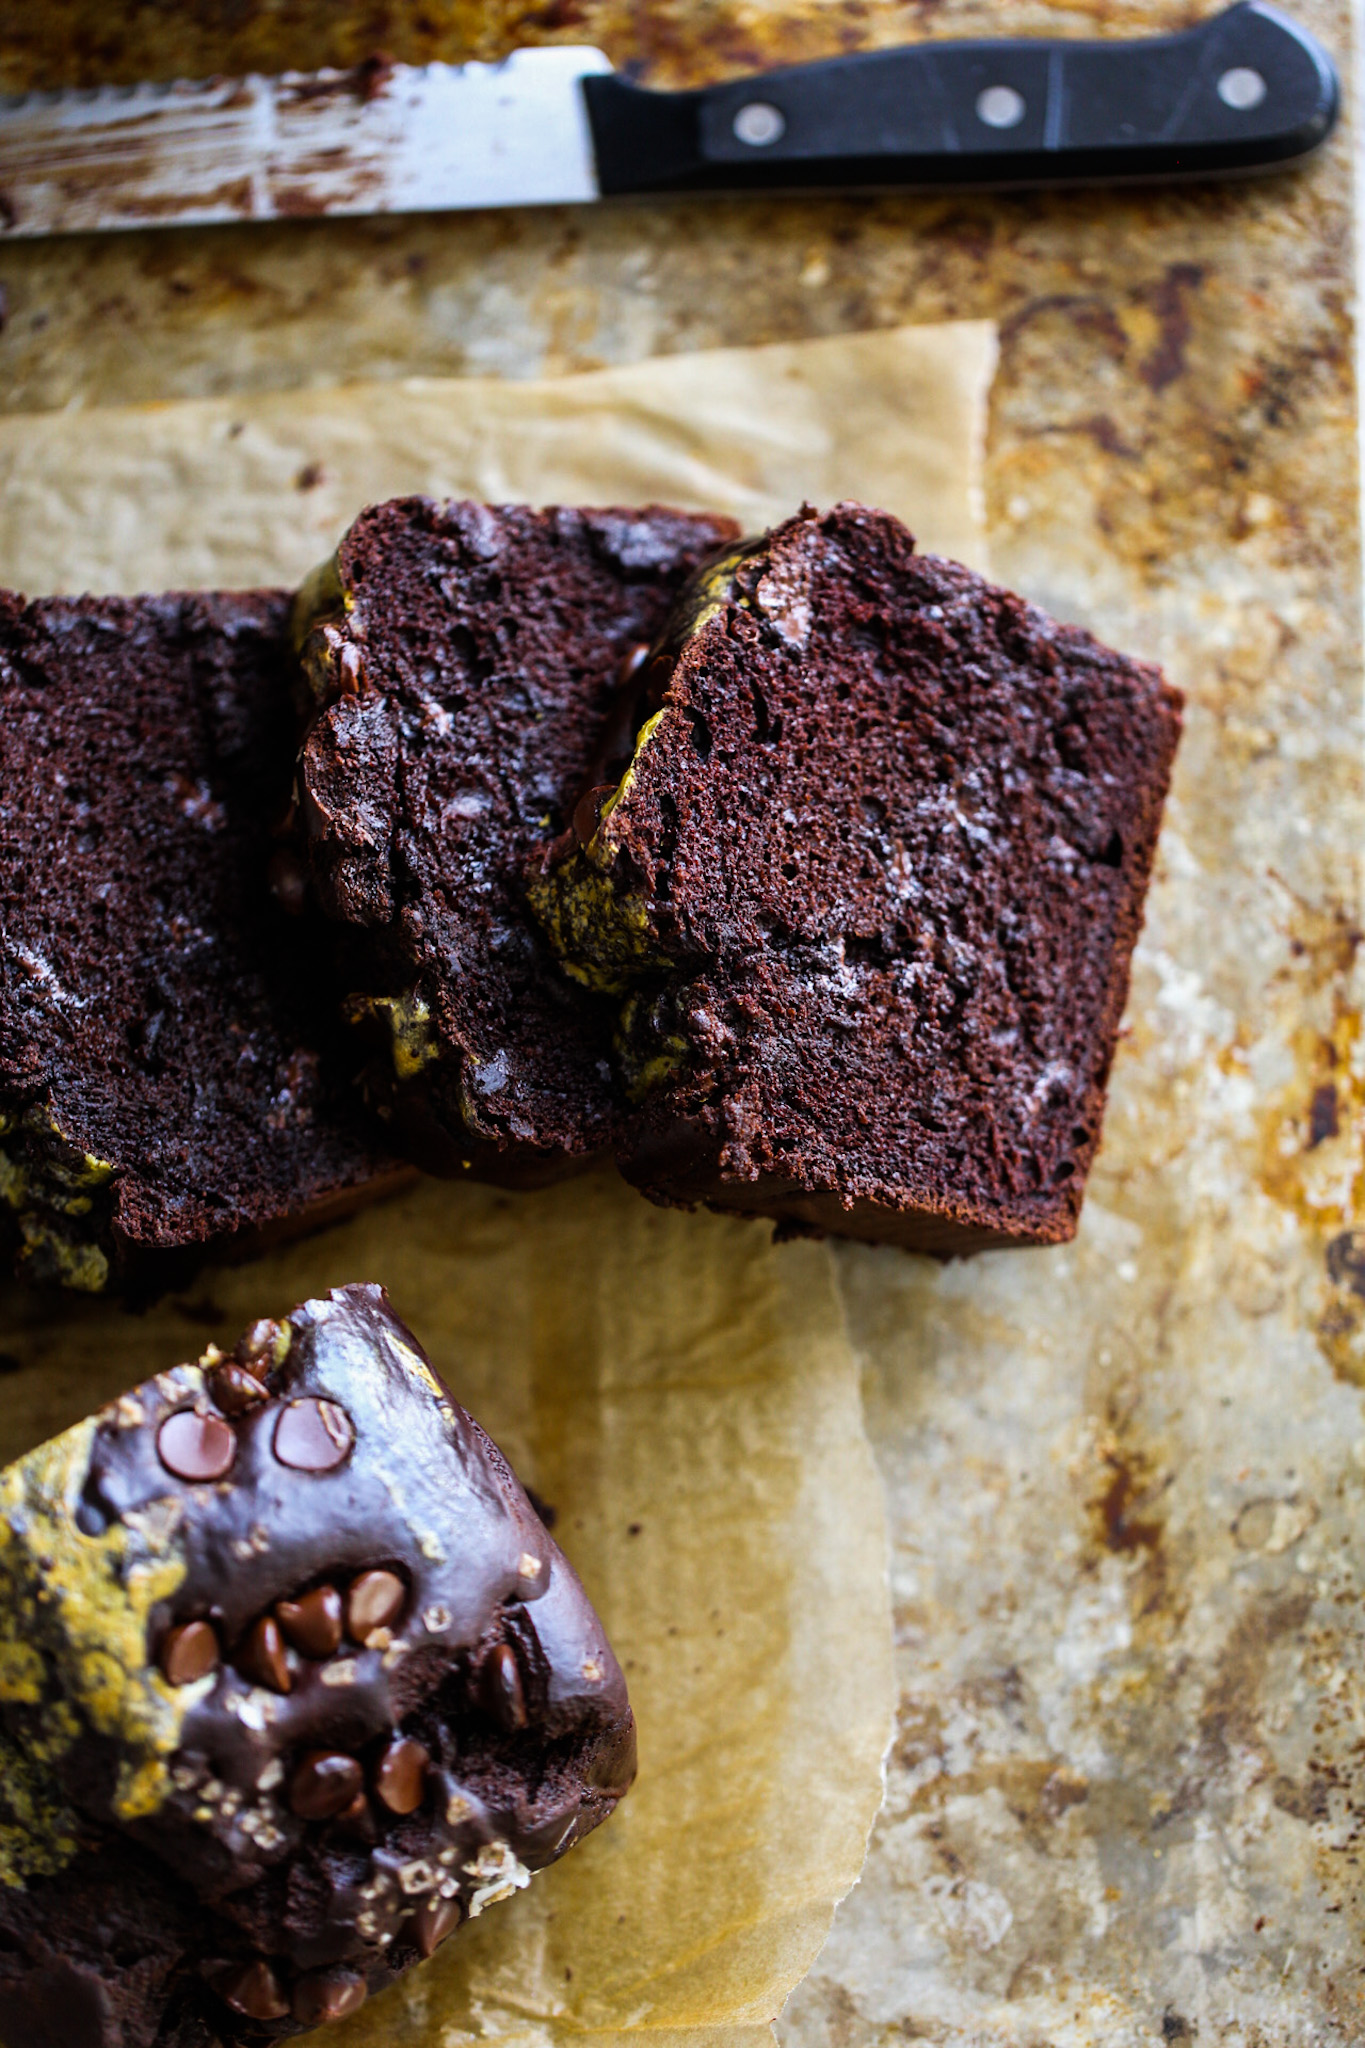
(1126,1803)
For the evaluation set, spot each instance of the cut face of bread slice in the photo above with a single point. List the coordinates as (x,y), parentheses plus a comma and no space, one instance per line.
(466,663)
(167,1083)
(867,893)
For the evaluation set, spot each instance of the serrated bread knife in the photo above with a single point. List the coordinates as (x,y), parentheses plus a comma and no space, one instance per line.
(1246,90)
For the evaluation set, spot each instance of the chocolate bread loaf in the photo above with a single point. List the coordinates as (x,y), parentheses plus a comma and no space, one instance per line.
(293,1681)
(173,1074)
(466,663)
(867,894)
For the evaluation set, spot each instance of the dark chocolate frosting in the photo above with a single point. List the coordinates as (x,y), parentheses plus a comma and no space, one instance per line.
(374,1699)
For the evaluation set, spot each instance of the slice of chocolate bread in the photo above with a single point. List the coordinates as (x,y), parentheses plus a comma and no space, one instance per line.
(467,664)
(868,891)
(167,1077)
(294,1683)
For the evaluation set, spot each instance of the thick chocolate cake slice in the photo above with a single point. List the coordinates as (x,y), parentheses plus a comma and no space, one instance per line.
(166,1078)
(468,663)
(867,894)
(293,1682)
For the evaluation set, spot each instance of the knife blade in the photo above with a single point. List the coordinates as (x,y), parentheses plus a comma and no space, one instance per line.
(1244,91)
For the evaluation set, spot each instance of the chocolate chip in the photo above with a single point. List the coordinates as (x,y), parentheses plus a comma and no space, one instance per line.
(588,812)
(234,1389)
(376,1600)
(313,1435)
(400,1776)
(253,1990)
(503,1692)
(262,1657)
(325,1784)
(433,1921)
(195,1446)
(312,1622)
(631,662)
(327,1995)
(258,1349)
(188,1652)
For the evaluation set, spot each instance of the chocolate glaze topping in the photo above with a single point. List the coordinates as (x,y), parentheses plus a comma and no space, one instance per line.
(391,1699)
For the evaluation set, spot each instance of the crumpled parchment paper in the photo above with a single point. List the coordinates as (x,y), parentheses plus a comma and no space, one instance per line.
(680,1389)
(236,491)
(682,1393)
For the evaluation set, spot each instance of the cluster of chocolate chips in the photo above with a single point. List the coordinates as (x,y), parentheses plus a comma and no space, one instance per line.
(330,1785)
(313,1435)
(256,1991)
(259,1989)
(313,1624)
(200,1445)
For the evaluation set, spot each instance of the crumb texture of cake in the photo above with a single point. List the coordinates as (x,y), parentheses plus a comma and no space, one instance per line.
(171,1074)
(468,667)
(867,894)
(293,1683)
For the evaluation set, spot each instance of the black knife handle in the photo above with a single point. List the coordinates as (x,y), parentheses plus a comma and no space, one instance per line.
(1244,91)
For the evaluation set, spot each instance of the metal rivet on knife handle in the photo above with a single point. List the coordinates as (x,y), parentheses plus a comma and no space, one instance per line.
(1242,89)
(758,123)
